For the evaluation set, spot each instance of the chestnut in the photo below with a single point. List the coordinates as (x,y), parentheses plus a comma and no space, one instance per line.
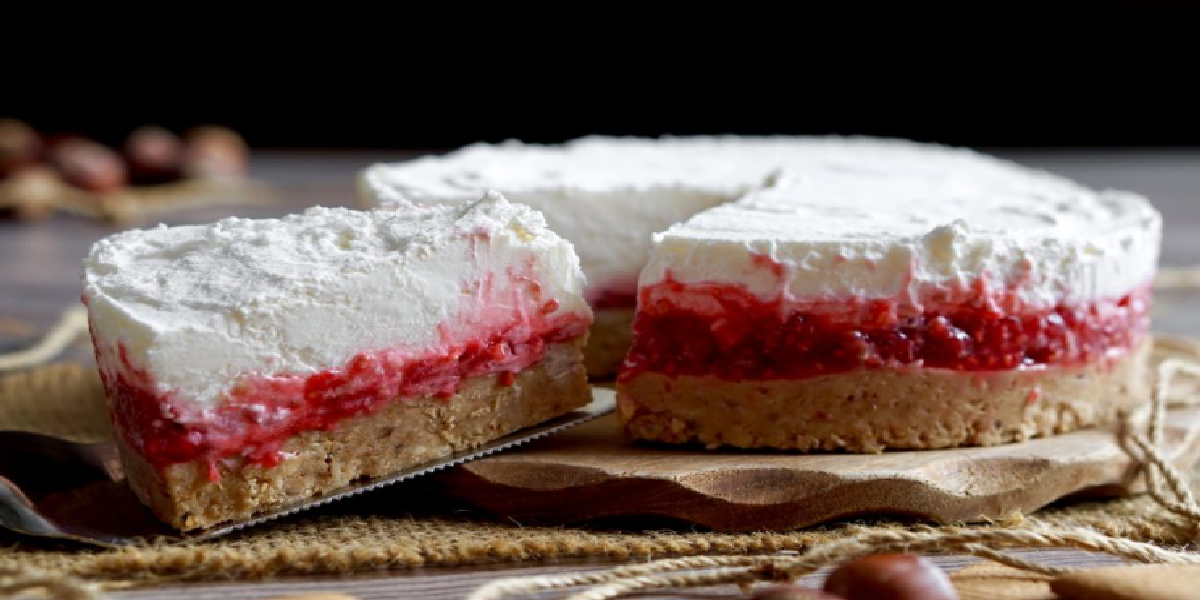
(890,577)
(154,154)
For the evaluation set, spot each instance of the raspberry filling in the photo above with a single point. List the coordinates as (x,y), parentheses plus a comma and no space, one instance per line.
(614,293)
(614,299)
(724,331)
(262,412)
(504,332)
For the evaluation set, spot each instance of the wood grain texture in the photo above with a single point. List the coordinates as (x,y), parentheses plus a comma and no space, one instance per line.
(1143,582)
(592,472)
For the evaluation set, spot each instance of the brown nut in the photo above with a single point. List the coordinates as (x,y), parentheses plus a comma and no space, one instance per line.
(890,577)
(88,165)
(216,152)
(33,191)
(20,146)
(154,154)
(792,592)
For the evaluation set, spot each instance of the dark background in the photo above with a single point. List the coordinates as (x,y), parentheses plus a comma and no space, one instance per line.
(1016,74)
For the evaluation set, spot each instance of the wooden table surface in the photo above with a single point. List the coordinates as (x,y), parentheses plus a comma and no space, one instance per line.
(39,277)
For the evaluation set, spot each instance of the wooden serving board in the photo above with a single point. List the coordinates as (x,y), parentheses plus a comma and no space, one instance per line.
(592,472)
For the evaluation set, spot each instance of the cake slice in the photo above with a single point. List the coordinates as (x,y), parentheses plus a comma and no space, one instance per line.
(255,363)
(897,298)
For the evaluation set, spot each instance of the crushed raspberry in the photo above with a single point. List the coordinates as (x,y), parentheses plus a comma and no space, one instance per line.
(725,331)
(263,412)
(766,262)
(613,299)
(256,418)
(615,293)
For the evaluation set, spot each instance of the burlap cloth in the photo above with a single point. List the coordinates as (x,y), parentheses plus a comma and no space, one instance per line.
(397,530)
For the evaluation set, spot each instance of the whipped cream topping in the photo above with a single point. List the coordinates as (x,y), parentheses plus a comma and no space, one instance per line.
(198,307)
(610,195)
(842,216)
(905,225)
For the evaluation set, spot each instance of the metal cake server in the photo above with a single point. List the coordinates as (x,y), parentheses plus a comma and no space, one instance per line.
(51,487)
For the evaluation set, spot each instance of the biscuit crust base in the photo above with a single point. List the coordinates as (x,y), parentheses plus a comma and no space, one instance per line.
(608,342)
(406,433)
(869,411)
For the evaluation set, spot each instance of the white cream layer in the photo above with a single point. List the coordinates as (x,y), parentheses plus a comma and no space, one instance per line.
(902,227)
(846,216)
(197,307)
(607,195)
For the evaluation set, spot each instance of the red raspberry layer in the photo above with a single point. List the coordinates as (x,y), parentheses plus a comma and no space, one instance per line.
(614,299)
(724,331)
(263,412)
(618,293)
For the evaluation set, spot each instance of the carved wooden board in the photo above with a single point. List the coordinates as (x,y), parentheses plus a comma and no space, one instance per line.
(591,472)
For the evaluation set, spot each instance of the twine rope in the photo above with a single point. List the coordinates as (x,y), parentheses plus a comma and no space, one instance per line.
(26,581)
(71,324)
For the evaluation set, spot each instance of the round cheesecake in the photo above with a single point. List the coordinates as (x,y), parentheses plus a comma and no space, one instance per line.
(848,293)
(897,296)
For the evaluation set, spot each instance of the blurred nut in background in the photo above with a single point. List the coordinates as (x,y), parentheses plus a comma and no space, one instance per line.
(33,190)
(155,155)
(88,165)
(890,577)
(216,152)
(20,146)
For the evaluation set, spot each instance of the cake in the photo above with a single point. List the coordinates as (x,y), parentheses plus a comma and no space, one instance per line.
(836,293)
(251,364)
(897,296)
(606,195)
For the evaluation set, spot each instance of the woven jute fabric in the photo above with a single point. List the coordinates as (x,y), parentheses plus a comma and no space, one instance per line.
(67,400)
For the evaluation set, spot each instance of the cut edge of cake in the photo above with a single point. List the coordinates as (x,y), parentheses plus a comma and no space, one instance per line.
(406,433)
(274,438)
